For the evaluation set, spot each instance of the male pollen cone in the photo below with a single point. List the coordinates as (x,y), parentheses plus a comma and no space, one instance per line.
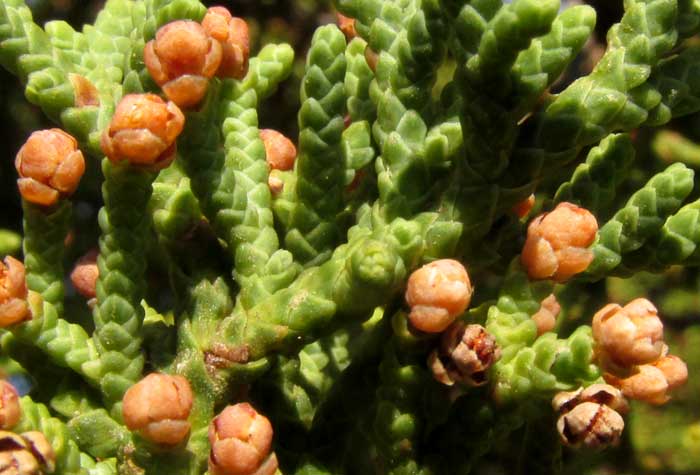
(13,293)
(233,36)
(143,131)
(241,441)
(158,407)
(10,411)
(438,293)
(181,60)
(557,243)
(50,166)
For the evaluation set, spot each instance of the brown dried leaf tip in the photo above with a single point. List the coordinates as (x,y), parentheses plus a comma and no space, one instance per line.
(233,36)
(158,407)
(465,354)
(241,443)
(557,243)
(590,417)
(181,60)
(629,335)
(437,294)
(346,25)
(13,293)
(143,131)
(85,274)
(29,453)
(524,207)
(50,166)
(10,411)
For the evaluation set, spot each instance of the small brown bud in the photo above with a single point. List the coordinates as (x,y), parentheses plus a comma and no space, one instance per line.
(546,316)
(158,407)
(275,184)
(524,207)
(241,441)
(85,274)
(346,25)
(10,411)
(280,151)
(233,36)
(41,449)
(557,243)
(590,425)
(50,166)
(18,462)
(181,60)
(13,293)
(143,131)
(437,294)
(629,335)
(466,353)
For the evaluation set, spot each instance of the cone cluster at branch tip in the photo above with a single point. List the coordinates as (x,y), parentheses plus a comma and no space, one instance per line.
(241,442)
(590,417)
(143,131)
(465,354)
(158,407)
(13,293)
(631,351)
(438,293)
(50,166)
(233,36)
(28,453)
(557,243)
(181,60)
(10,411)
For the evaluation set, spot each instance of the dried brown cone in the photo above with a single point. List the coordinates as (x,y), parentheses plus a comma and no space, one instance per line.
(590,417)
(10,412)
(158,407)
(50,166)
(465,354)
(437,294)
(26,454)
(557,243)
(591,425)
(13,293)
(143,131)
(181,60)
(629,335)
(85,274)
(233,36)
(241,443)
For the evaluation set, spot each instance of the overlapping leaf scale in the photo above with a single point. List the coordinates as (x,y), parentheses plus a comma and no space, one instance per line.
(639,220)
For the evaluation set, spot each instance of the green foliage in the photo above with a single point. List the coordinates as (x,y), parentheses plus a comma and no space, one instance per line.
(415,139)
